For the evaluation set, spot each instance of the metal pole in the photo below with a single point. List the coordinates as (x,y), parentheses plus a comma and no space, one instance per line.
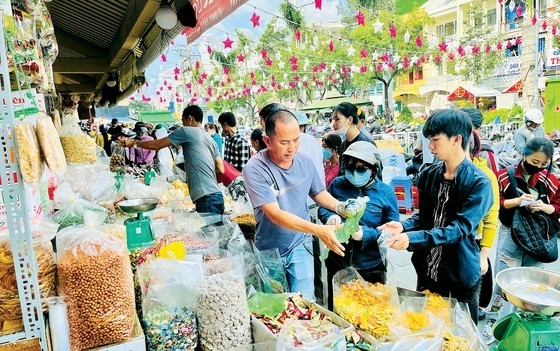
(537,103)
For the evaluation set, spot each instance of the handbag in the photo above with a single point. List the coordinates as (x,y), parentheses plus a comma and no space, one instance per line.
(534,232)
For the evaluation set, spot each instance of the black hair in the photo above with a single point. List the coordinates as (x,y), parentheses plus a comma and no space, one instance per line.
(450,122)
(195,112)
(333,142)
(227,118)
(348,110)
(539,145)
(283,116)
(270,109)
(474,115)
(210,126)
(257,135)
(475,144)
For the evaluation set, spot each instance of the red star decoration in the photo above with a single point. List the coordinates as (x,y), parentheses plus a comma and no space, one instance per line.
(544,25)
(240,58)
(437,59)
(227,43)
(499,46)
(147,84)
(406,62)
(163,58)
(252,75)
(534,20)
(295,67)
(158,93)
(508,45)
(518,41)
(165,83)
(331,46)
(255,19)
(169,87)
(131,98)
(500,1)
(361,18)
(385,57)
(293,60)
(519,11)
(172,42)
(323,66)
(450,56)
(318,4)
(443,46)
(419,41)
(475,50)
(393,31)
(296,78)
(209,49)
(315,70)
(264,53)
(298,35)
(176,71)
(204,75)
(197,65)
(363,69)
(461,51)
(554,29)
(363,53)
(268,61)
(226,70)
(176,77)
(488,48)
(379,67)
(292,85)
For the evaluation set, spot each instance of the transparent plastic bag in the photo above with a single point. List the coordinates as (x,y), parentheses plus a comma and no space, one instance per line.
(78,147)
(270,270)
(239,246)
(96,280)
(310,335)
(42,233)
(223,315)
(29,153)
(98,189)
(51,146)
(118,159)
(383,247)
(269,305)
(169,290)
(355,208)
(72,209)
(131,188)
(412,318)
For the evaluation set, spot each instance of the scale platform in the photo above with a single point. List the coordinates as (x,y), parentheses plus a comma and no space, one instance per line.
(536,292)
(139,230)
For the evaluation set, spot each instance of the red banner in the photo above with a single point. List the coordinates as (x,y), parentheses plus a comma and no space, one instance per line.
(209,13)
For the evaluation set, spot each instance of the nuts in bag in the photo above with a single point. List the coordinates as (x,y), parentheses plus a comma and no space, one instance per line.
(51,146)
(30,160)
(78,146)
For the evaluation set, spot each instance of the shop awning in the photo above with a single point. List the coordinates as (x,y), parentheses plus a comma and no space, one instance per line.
(330,103)
(155,117)
(470,92)
(514,88)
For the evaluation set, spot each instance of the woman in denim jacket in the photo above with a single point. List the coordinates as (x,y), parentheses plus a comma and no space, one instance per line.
(360,180)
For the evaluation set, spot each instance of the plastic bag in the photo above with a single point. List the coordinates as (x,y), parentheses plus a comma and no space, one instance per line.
(413,319)
(383,247)
(239,246)
(355,209)
(118,159)
(42,234)
(131,188)
(72,209)
(78,147)
(270,270)
(51,146)
(269,305)
(168,299)
(98,189)
(223,315)
(96,280)
(310,335)
(369,307)
(29,153)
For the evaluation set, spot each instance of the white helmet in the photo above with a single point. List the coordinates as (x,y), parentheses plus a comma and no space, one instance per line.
(364,151)
(534,115)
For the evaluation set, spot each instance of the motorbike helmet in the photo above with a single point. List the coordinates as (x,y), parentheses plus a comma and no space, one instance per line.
(363,151)
(534,115)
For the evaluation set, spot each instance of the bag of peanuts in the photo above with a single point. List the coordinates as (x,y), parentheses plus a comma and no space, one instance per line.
(78,146)
(169,298)
(42,234)
(96,279)
(51,146)
(29,153)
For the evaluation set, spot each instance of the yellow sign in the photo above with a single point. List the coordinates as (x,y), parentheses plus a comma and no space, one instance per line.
(390,144)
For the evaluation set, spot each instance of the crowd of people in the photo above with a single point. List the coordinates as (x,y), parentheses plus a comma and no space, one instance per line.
(301,190)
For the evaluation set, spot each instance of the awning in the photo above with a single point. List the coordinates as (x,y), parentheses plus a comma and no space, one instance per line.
(470,92)
(155,117)
(333,102)
(518,86)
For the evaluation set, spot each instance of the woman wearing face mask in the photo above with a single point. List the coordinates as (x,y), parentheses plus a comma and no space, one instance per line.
(360,179)
(345,119)
(537,185)
(331,145)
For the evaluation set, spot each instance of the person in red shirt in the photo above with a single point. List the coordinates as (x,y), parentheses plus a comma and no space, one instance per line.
(331,159)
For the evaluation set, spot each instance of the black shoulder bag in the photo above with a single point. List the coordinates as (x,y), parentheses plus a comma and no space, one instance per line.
(534,232)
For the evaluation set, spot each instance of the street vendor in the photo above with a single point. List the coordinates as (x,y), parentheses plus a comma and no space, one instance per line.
(139,155)
(453,200)
(202,160)
(278,181)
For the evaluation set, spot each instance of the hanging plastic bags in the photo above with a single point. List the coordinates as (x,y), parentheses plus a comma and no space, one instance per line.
(51,146)
(78,147)
(29,153)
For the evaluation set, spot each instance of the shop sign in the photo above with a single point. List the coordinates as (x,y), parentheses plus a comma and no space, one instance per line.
(209,13)
(553,59)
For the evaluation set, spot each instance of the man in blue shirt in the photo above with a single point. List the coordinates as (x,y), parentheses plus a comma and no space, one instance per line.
(278,181)
(453,200)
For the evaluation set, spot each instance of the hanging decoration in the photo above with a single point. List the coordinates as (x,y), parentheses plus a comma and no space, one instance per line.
(393,31)
(475,49)
(511,5)
(163,58)
(240,58)
(519,11)
(176,71)
(209,49)
(318,4)
(419,41)
(378,26)
(255,19)
(298,35)
(443,46)
(499,46)
(534,20)
(488,49)
(351,51)
(406,37)
(228,43)
(264,53)
(331,46)
(554,29)
(544,25)
(363,54)
(361,18)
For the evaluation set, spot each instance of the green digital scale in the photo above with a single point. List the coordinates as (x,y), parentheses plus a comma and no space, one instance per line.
(536,326)
(139,230)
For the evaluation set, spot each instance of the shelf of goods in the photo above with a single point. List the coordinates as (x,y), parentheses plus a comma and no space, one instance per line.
(17,220)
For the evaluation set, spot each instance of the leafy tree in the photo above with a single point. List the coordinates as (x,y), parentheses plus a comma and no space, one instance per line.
(293,16)
(138,106)
(405,116)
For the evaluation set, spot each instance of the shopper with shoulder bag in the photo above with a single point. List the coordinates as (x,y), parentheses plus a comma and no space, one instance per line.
(529,211)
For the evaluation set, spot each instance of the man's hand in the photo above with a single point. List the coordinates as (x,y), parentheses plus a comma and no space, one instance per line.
(326,233)
(542,207)
(483,263)
(334,220)
(398,241)
(125,143)
(358,235)
(393,228)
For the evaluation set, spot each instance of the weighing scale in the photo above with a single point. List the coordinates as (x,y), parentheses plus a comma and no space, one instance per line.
(139,230)
(536,292)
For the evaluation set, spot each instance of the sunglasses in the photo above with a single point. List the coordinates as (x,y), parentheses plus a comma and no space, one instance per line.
(360,169)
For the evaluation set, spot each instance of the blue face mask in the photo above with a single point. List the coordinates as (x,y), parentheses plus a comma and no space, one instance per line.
(327,154)
(358,179)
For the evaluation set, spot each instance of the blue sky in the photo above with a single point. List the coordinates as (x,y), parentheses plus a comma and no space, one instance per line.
(241,19)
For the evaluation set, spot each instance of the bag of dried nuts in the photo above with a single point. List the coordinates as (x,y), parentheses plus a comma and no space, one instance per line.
(78,146)
(42,234)
(29,153)
(95,278)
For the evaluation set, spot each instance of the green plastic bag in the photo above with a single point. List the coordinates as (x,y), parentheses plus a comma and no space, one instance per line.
(269,305)
(355,208)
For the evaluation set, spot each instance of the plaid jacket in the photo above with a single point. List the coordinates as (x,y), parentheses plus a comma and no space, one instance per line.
(237,150)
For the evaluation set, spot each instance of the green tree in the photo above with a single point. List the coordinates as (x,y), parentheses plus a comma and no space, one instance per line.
(138,106)
(293,16)
(478,67)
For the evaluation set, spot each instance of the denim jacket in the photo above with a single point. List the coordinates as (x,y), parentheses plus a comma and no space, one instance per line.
(381,208)
(470,199)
